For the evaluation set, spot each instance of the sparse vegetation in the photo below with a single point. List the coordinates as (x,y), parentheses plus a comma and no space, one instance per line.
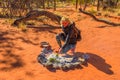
(21,7)
(19,45)
(23,27)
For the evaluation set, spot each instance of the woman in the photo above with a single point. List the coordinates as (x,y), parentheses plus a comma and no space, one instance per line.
(68,36)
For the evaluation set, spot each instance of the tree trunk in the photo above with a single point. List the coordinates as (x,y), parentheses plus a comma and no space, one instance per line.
(76,4)
(85,5)
(116,2)
(34,14)
(80,3)
(43,4)
(98,5)
(54,5)
(99,20)
(48,3)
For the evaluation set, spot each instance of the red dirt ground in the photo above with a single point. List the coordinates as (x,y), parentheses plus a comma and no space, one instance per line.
(19,50)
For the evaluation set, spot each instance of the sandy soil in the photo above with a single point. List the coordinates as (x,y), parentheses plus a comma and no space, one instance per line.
(19,50)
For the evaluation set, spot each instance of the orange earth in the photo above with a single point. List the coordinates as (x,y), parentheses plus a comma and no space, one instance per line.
(19,50)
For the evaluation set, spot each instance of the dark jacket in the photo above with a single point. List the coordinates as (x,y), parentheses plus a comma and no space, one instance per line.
(70,35)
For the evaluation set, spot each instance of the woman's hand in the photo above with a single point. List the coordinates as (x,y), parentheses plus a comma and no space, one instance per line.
(60,49)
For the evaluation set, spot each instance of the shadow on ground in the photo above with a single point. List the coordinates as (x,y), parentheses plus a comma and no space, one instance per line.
(9,60)
(45,27)
(98,62)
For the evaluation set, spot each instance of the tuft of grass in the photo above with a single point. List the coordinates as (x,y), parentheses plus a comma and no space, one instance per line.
(9,21)
(23,27)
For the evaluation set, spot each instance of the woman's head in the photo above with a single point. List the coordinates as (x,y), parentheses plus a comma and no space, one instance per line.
(65,22)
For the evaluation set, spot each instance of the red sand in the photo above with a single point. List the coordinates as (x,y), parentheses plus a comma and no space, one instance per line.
(19,50)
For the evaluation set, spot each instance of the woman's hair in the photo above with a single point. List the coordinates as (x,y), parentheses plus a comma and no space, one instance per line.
(65,19)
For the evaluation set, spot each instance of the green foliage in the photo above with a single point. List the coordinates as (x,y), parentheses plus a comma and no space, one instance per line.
(52,59)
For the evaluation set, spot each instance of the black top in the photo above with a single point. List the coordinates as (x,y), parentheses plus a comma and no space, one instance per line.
(69,33)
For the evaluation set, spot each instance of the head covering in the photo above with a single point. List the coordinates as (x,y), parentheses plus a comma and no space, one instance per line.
(65,19)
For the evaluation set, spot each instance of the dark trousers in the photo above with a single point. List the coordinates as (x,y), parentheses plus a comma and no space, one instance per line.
(62,37)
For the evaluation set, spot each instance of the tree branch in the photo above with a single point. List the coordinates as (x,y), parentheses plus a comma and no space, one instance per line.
(34,14)
(99,20)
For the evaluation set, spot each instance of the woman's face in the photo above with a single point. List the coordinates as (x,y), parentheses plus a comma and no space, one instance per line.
(65,23)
